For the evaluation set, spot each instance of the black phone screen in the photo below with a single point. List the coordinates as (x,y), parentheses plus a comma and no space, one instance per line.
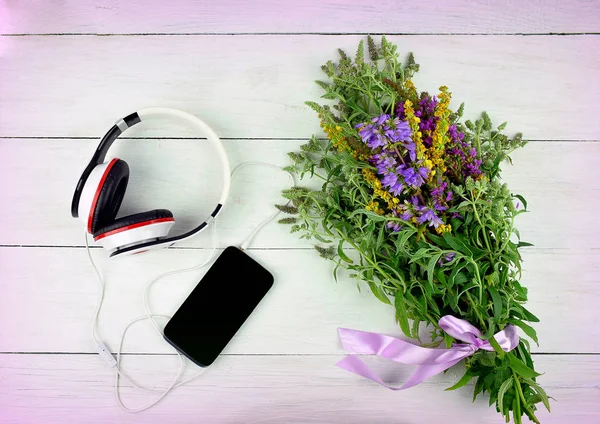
(218,306)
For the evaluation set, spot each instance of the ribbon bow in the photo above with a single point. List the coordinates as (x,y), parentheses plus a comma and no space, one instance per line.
(430,361)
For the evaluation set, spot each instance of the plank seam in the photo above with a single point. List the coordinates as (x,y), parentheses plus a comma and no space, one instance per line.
(43,246)
(226,34)
(537,140)
(261,354)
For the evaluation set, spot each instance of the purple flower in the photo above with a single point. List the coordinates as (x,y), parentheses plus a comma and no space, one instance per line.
(384,162)
(389,180)
(428,215)
(380,120)
(396,189)
(456,215)
(400,132)
(412,150)
(439,191)
(414,200)
(453,132)
(449,196)
(447,258)
(406,215)
(381,131)
(394,226)
(365,131)
(400,110)
(439,207)
(372,136)
(376,140)
(413,177)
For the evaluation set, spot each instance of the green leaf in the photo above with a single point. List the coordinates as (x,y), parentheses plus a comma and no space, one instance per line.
(431,267)
(497,301)
(439,274)
(496,347)
(415,328)
(461,278)
(378,292)
(488,359)
(448,340)
(478,387)
(372,215)
(457,244)
(457,266)
(341,253)
(321,239)
(524,244)
(380,237)
(401,316)
(439,241)
(527,329)
(520,368)
(462,382)
(419,254)
(541,392)
(521,291)
(522,199)
(502,390)
(528,316)
(403,237)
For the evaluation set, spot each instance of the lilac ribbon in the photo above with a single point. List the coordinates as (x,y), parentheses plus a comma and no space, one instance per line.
(430,361)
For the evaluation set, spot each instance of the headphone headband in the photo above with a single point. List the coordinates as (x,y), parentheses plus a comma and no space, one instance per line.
(142,115)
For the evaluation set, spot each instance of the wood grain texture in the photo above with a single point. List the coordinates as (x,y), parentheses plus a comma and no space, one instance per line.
(324,16)
(41,175)
(270,389)
(255,86)
(49,297)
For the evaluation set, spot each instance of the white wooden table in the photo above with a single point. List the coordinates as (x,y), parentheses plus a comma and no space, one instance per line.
(69,69)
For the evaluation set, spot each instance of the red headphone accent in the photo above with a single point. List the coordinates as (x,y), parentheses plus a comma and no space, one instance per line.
(131,227)
(98,190)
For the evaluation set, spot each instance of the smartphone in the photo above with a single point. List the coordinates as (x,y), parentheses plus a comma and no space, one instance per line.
(218,306)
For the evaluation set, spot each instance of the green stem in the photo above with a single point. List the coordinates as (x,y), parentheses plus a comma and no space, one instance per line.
(522,396)
(431,319)
(320,176)
(478,277)
(485,235)
(368,259)
(475,309)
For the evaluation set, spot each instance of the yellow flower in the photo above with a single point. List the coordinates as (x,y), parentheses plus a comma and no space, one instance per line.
(413,123)
(444,228)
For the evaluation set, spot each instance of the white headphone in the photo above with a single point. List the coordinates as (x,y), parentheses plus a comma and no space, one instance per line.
(102,186)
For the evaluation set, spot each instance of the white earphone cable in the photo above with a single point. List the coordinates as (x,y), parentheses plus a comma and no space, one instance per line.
(105,352)
(247,240)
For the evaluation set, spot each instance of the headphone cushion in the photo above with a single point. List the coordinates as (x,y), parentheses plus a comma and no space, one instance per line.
(134,219)
(111,195)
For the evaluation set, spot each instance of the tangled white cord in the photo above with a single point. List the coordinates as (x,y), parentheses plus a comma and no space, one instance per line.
(116,363)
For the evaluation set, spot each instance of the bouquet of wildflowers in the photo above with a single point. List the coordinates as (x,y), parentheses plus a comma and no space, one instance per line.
(417,194)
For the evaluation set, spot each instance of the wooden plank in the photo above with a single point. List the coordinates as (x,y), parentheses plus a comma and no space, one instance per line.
(271,16)
(558,180)
(49,296)
(274,389)
(255,86)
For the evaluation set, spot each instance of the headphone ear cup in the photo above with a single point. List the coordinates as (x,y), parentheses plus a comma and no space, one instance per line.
(109,195)
(135,229)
